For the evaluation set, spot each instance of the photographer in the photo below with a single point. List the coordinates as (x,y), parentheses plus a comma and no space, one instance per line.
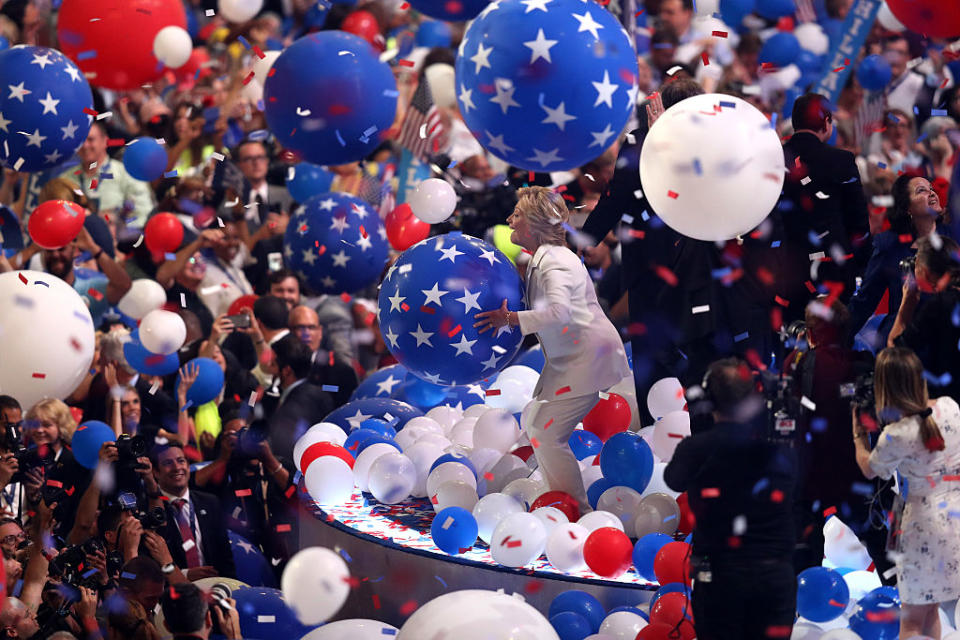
(187,615)
(740,486)
(921,442)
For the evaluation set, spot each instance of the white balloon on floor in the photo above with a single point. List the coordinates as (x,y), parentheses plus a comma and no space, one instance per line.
(564,547)
(551,517)
(352,629)
(665,396)
(598,519)
(496,429)
(446,416)
(622,625)
(476,614)
(423,455)
(454,494)
(657,485)
(392,478)
(315,584)
(525,490)
(806,631)
(842,547)
(668,431)
(624,503)
(490,510)
(320,432)
(329,480)
(450,472)
(518,540)
(861,582)
(365,460)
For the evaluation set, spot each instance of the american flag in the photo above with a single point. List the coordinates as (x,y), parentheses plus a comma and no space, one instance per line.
(805,11)
(421,124)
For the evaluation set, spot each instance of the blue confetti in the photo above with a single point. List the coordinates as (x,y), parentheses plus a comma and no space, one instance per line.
(773,120)
(955,316)
(440,580)
(882,165)
(169,256)
(717,274)
(244,41)
(696,167)
(128,576)
(42,283)
(818,425)
(741,336)
(916,111)
(87,55)
(669,518)
(775,244)
(923,136)
(729,105)
(388,632)
(170,174)
(332,388)
(340,138)
(645,216)
(90,573)
(17,588)
(106,176)
(391,93)
(862,489)
(346,556)
(762,484)
(938,112)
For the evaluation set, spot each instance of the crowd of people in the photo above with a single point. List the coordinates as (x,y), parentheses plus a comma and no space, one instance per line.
(859,250)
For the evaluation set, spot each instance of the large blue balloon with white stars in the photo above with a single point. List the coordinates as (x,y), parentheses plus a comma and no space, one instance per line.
(329,97)
(427,304)
(546,85)
(337,243)
(42,98)
(350,416)
(452,10)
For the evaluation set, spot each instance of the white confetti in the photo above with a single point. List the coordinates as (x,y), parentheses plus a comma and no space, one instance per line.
(217,156)
(821,195)
(266,619)
(739,525)
(253,398)
(18,164)
(209,13)
(189,544)
(104,115)
(808,403)
(805,180)
(139,241)
(638,194)
(448,522)
(704,308)
(155,387)
(183,300)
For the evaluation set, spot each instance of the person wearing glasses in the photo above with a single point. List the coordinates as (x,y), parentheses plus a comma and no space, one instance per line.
(328,369)
(11,537)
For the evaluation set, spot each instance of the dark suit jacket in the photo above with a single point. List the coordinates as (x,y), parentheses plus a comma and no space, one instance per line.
(157,408)
(306,405)
(214,542)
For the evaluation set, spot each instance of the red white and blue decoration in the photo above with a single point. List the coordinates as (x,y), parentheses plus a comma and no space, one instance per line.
(427,305)
(452,10)
(539,105)
(42,100)
(330,98)
(336,243)
(350,416)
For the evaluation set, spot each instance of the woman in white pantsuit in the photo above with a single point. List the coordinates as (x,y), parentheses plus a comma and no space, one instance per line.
(583,351)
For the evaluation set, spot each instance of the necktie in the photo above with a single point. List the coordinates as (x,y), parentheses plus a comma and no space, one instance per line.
(186,533)
(261,205)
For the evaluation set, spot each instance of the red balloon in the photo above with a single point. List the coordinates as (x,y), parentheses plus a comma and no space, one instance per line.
(561,500)
(660,631)
(113,39)
(523,453)
(405,229)
(194,63)
(937,18)
(364,24)
(672,563)
(319,449)
(608,417)
(55,223)
(243,302)
(163,233)
(671,608)
(687,521)
(608,552)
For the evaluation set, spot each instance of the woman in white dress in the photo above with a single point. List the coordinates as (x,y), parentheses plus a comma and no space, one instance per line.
(584,353)
(921,441)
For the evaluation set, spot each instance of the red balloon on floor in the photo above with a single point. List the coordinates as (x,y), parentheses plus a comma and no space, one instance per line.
(55,223)
(660,631)
(404,229)
(561,500)
(608,552)
(671,608)
(320,449)
(937,18)
(608,417)
(163,233)
(672,563)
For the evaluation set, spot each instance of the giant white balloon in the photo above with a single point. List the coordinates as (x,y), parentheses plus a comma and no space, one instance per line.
(496,429)
(564,547)
(476,614)
(668,432)
(46,337)
(315,583)
(712,167)
(352,629)
(144,296)
(491,509)
(666,395)
(172,46)
(239,10)
(518,540)
(434,200)
(162,332)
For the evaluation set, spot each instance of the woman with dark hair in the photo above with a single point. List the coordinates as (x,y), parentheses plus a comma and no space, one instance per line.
(915,214)
(921,442)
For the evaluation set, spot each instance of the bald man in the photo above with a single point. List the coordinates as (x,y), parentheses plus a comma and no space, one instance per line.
(328,369)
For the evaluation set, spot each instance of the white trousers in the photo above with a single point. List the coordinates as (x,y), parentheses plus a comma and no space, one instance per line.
(549,424)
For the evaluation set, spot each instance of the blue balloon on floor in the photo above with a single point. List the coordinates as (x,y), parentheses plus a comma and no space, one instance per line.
(780,49)
(145,159)
(585,443)
(427,305)
(265,616)
(306,180)
(452,457)
(209,382)
(645,551)
(375,439)
(148,363)
(874,73)
(420,393)
(822,594)
(330,98)
(570,625)
(356,438)
(453,529)
(595,490)
(457,11)
(581,603)
(626,459)
(252,566)
(380,427)
(877,617)
(382,383)
(87,440)
(351,415)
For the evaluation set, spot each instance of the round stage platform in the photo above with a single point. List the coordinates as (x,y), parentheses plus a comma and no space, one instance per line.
(396,567)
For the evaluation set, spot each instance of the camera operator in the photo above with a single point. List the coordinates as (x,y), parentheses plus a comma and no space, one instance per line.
(253,485)
(926,323)
(740,485)
(187,615)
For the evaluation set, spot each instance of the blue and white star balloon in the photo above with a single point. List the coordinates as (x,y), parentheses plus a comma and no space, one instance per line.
(337,243)
(546,85)
(42,98)
(427,304)
(452,10)
(350,416)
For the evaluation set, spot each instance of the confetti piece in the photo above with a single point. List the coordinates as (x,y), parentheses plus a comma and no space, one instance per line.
(534,443)
(283,528)
(673,194)
(719,34)
(244,42)
(938,112)
(562,390)
(332,388)
(243,493)
(170,174)
(86,55)
(154,387)
(189,544)
(448,522)
(267,619)
(492,392)
(776,496)
(705,58)
(248,78)
(547,426)
(704,308)
(18,163)
(710,492)
(405,63)
(376,601)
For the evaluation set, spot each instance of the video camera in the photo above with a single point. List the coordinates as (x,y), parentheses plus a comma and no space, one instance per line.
(151,519)
(70,565)
(248,443)
(129,449)
(861,394)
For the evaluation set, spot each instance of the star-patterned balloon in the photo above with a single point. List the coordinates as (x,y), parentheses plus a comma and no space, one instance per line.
(546,85)
(452,10)
(42,100)
(382,383)
(337,243)
(350,416)
(427,304)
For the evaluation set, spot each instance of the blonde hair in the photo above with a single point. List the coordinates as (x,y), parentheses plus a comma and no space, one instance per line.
(57,412)
(546,213)
(900,390)
(62,189)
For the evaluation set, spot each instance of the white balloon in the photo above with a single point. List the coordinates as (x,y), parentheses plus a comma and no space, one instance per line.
(172,46)
(496,429)
(599,636)
(329,480)
(842,547)
(315,584)
(162,332)
(861,582)
(518,540)
(658,513)
(525,490)
(564,547)
(647,434)
(475,410)
(805,631)
(523,373)
(712,177)
(812,38)
(551,517)
(505,471)
(953,636)
(665,396)
(436,439)
(622,502)
(444,415)
(668,431)
(476,614)
(626,389)
(434,200)
(622,625)
(450,472)
(423,455)
(599,519)
(454,494)
(262,66)
(392,478)
(657,485)
(144,296)
(365,460)
(320,432)
(484,459)
(846,634)
(352,629)
(491,509)
(590,474)
(405,439)
(426,422)
(239,10)
(462,432)
(889,21)
(46,337)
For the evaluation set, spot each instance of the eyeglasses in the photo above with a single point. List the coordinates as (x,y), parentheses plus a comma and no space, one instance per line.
(297,328)
(262,158)
(13,538)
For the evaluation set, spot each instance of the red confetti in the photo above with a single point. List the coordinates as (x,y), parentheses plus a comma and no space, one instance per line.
(782,302)
(710,492)
(492,392)
(405,63)
(666,275)
(115,142)
(41,376)
(376,601)
(408,607)
(951,478)
(283,528)
(719,34)
(488,476)
(454,331)
(547,426)
(292,489)
(534,443)
(638,13)
(733,542)
(778,631)
(55,483)
(249,77)
(429,310)
(22,278)
(259,53)
(562,390)
(93,293)
(776,496)
(405,6)
(705,58)
(829,511)
(768,66)
(243,493)
(673,194)
(90,112)
(511,544)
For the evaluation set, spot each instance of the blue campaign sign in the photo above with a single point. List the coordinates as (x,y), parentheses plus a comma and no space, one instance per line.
(410,173)
(856,27)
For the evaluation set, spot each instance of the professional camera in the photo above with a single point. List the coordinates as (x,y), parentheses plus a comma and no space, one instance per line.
(908,264)
(70,565)
(27,457)
(248,443)
(219,593)
(861,394)
(151,519)
(129,448)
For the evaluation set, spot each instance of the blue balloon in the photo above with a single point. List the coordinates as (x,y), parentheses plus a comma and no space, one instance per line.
(306,180)
(626,460)
(382,383)
(209,382)
(262,603)
(570,625)
(584,443)
(147,363)
(546,90)
(877,617)
(351,415)
(330,98)
(316,15)
(377,439)
(809,62)
(632,610)
(4,43)
(379,426)
(734,11)
(466,395)
(533,358)
(822,594)
(874,73)
(433,33)
(780,49)
(773,9)
(889,592)
(252,566)
(356,439)
(420,393)
(595,490)
(670,587)
(459,11)
(427,304)
(645,551)
(628,349)
(42,102)
(336,243)
(87,440)
(581,603)
(145,159)
(452,457)
(453,529)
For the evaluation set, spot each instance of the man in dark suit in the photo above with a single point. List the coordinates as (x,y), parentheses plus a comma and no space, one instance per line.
(196,531)
(822,215)
(327,369)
